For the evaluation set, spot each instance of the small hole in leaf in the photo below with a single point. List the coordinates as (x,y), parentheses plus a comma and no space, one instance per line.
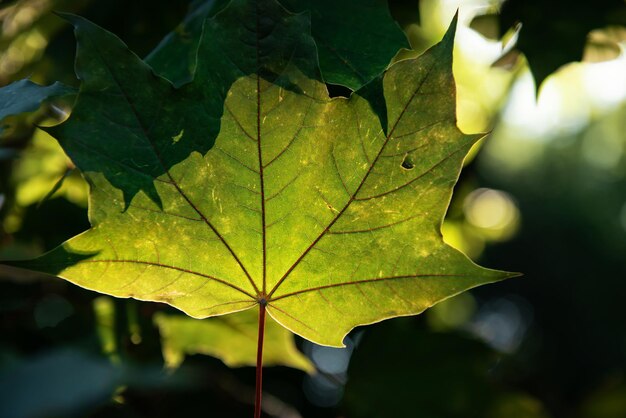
(407,163)
(335,90)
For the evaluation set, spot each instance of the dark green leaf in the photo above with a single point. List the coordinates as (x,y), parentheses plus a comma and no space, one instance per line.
(25,96)
(356,40)
(553,33)
(175,57)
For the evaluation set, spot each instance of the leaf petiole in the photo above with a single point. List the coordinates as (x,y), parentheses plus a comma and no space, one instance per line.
(259,359)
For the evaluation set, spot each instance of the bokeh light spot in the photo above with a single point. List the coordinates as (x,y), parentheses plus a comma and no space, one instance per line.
(492,211)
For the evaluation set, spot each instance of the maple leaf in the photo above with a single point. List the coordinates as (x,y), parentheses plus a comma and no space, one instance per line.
(353,48)
(181,335)
(24,96)
(554,33)
(250,186)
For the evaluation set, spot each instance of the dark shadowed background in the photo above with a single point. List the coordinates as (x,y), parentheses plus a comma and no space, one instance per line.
(545,196)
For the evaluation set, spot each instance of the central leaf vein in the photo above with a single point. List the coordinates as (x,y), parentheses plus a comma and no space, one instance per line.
(258,141)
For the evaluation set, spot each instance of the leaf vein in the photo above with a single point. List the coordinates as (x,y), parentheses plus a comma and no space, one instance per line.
(372,229)
(358,282)
(181,269)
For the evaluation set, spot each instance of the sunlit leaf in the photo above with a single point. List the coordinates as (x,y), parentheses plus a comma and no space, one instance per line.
(231,338)
(43,171)
(251,186)
(604,44)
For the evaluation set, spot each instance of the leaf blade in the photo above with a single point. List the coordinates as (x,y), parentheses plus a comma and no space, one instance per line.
(24,96)
(353,48)
(216,337)
(252,185)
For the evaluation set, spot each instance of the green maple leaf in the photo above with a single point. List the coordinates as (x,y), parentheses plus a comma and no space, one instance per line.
(353,48)
(554,33)
(216,337)
(24,96)
(250,186)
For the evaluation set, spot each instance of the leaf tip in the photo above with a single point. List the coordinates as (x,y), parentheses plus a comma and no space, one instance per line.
(450,34)
(69,17)
(500,275)
(474,138)
(512,274)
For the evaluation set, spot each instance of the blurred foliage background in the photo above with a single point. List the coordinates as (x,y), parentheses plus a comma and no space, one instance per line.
(545,195)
